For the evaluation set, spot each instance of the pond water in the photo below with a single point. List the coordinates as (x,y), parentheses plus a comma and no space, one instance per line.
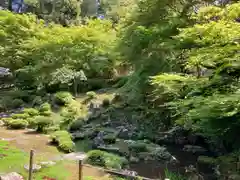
(155,169)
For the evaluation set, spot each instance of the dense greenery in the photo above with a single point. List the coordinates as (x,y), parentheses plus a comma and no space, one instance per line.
(205,98)
(173,62)
(107,160)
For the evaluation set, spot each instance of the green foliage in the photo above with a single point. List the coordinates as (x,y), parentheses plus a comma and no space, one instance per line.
(91,95)
(76,125)
(173,176)
(138,147)
(20,116)
(37,101)
(40,59)
(31,112)
(16,103)
(205,98)
(63,98)
(43,122)
(72,112)
(46,113)
(64,141)
(110,138)
(6,121)
(18,124)
(104,159)
(51,129)
(45,107)
(7,103)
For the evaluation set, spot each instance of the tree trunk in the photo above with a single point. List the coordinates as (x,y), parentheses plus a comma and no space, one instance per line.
(10,5)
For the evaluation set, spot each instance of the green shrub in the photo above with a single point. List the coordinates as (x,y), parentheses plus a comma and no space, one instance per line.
(63,140)
(106,102)
(37,101)
(19,94)
(46,113)
(6,103)
(6,120)
(63,98)
(45,107)
(107,160)
(20,116)
(31,122)
(138,147)
(91,95)
(51,129)
(110,138)
(76,125)
(16,103)
(18,124)
(66,145)
(43,122)
(173,176)
(31,112)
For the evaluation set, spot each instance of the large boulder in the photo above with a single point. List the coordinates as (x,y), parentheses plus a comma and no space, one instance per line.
(11,176)
(173,136)
(194,149)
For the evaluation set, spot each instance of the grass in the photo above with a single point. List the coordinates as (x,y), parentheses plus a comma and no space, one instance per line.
(13,160)
(10,157)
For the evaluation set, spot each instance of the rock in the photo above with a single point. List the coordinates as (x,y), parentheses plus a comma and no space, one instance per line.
(110,149)
(133,159)
(11,176)
(35,167)
(206,160)
(74,156)
(194,149)
(128,172)
(162,154)
(98,141)
(146,156)
(172,136)
(234,177)
(77,135)
(47,163)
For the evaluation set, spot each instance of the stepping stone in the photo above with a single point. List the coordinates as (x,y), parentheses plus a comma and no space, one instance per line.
(35,167)
(11,176)
(47,163)
(74,156)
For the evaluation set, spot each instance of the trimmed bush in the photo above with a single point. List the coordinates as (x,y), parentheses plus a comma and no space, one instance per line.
(6,121)
(91,95)
(42,122)
(138,147)
(63,98)
(76,125)
(37,101)
(31,112)
(18,124)
(16,103)
(110,138)
(63,140)
(51,129)
(46,113)
(45,107)
(107,160)
(6,103)
(31,122)
(20,116)
(106,103)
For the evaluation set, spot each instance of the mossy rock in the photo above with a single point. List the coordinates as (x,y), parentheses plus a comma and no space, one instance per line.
(206,160)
